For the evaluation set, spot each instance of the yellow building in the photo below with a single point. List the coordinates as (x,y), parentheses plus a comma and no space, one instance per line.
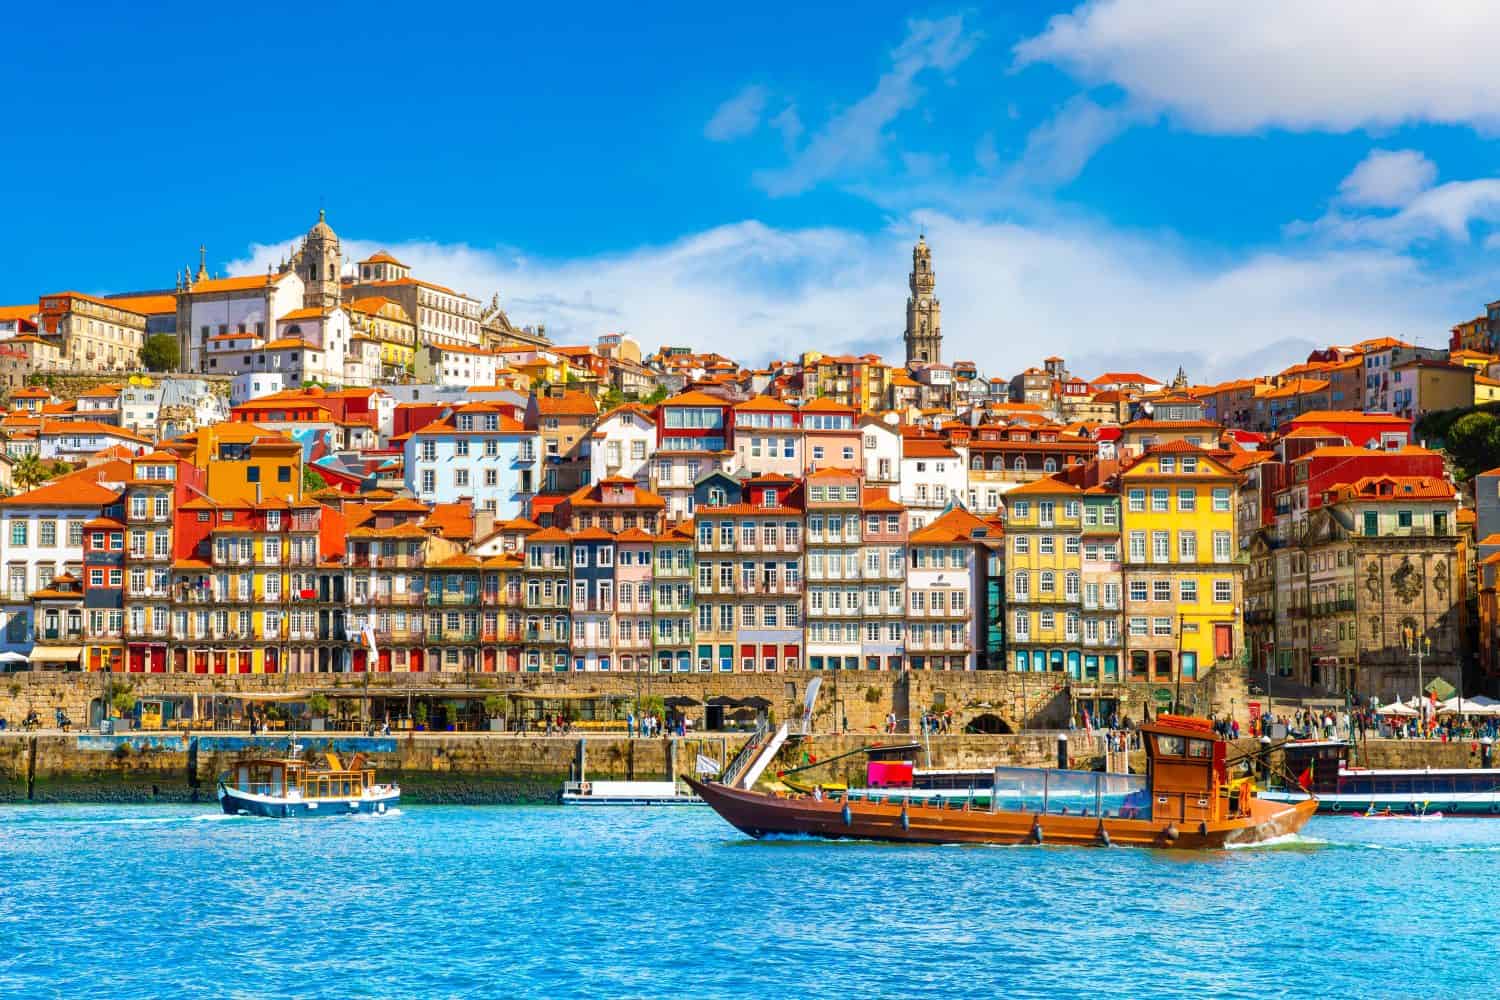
(1043,522)
(862,382)
(1182,580)
(386,322)
(1486,389)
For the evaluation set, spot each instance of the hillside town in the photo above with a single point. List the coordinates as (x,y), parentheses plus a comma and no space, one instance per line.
(340,466)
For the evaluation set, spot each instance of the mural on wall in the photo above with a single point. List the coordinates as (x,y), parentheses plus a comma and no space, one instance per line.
(316,444)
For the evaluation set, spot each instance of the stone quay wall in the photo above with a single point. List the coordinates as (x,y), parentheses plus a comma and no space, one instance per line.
(441,768)
(856,701)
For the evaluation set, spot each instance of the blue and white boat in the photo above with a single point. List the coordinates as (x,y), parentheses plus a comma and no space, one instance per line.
(287,787)
(1320,768)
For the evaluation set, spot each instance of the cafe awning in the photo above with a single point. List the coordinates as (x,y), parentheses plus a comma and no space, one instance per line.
(681,701)
(56,654)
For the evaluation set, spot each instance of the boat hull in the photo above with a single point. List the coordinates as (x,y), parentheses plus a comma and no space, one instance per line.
(569,799)
(236,803)
(1450,803)
(759,814)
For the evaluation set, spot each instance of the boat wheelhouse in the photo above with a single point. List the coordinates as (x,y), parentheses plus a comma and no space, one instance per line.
(290,786)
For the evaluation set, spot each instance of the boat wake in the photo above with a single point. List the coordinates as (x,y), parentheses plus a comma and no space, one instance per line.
(1283,841)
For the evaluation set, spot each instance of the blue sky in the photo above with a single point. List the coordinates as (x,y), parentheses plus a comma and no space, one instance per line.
(1142,182)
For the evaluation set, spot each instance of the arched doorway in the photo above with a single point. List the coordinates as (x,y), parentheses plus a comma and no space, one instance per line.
(989,725)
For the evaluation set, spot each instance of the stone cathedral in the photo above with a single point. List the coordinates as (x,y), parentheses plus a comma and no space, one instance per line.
(924,313)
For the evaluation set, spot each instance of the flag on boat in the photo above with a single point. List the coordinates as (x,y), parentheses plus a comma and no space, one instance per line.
(1305,779)
(706,765)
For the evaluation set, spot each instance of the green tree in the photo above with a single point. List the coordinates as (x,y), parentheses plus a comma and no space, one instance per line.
(29,471)
(311,481)
(159,354)
(656,395)
(1474,443)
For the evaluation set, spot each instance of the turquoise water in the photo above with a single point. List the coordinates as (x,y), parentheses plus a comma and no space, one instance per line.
(455,901)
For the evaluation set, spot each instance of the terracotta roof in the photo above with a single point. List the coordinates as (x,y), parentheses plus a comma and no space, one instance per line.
(66,491)
(1395,488)
(825,405)
(957,525)
(635,535)
(1046,486)
(382,257)
(550,535)
(694,398)
(453,521)
(146,305)
(311,312)
(240,284)
(926,448)
(763,402)
(570,404)
(1347,417)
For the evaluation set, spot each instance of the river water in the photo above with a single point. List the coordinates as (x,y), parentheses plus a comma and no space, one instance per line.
(543,901)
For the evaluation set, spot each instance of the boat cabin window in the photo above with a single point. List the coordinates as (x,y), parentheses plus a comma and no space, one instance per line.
(1200,748)
(1169,745)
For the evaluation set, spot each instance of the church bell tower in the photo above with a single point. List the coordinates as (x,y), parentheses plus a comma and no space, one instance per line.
(924,313)
(319,263)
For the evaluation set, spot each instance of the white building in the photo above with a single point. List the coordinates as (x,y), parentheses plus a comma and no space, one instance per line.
(212,307)
(931,474)
(455,365)
(882,452)
(41,539)
(253,385)
(621,444)
(76,440)
(362,365)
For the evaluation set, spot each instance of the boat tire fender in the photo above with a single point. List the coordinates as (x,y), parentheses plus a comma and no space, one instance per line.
(1495,808)
(1103,836)
(1337,807)
(848,815)
(1171,833)
(1203,828)
(1036,831)
(905,819)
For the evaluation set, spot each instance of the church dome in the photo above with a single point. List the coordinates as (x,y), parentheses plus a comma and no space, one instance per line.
(322,230)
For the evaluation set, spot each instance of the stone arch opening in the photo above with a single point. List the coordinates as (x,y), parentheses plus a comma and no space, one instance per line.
(989,724)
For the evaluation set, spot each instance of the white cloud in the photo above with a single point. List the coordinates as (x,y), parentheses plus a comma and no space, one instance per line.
(1448,211)
(1388,178)
(1010,294)
(737,117)
(1058,149)
(1330,65)
(854,136)
(789,124)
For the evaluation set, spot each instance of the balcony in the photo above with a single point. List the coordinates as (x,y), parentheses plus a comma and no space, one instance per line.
(60,634)
(406,600)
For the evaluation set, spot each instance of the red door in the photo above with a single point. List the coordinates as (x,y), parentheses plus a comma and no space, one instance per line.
(158,660)
(1223,642)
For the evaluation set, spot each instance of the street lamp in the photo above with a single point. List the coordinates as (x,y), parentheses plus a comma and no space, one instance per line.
(1418,646)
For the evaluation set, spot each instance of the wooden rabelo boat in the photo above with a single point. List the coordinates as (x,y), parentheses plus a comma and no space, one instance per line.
(1186,799)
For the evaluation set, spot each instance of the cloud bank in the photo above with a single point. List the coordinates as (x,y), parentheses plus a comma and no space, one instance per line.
(1011,294)
(1233,67)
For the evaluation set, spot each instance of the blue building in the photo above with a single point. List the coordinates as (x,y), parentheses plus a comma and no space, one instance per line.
(476,453)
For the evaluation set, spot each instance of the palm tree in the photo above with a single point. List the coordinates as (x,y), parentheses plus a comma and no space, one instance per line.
(28,472)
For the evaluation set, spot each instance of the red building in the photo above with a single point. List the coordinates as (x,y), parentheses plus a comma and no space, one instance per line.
(1385,430)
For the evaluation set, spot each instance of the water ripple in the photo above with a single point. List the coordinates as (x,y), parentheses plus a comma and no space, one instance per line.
(457,901)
